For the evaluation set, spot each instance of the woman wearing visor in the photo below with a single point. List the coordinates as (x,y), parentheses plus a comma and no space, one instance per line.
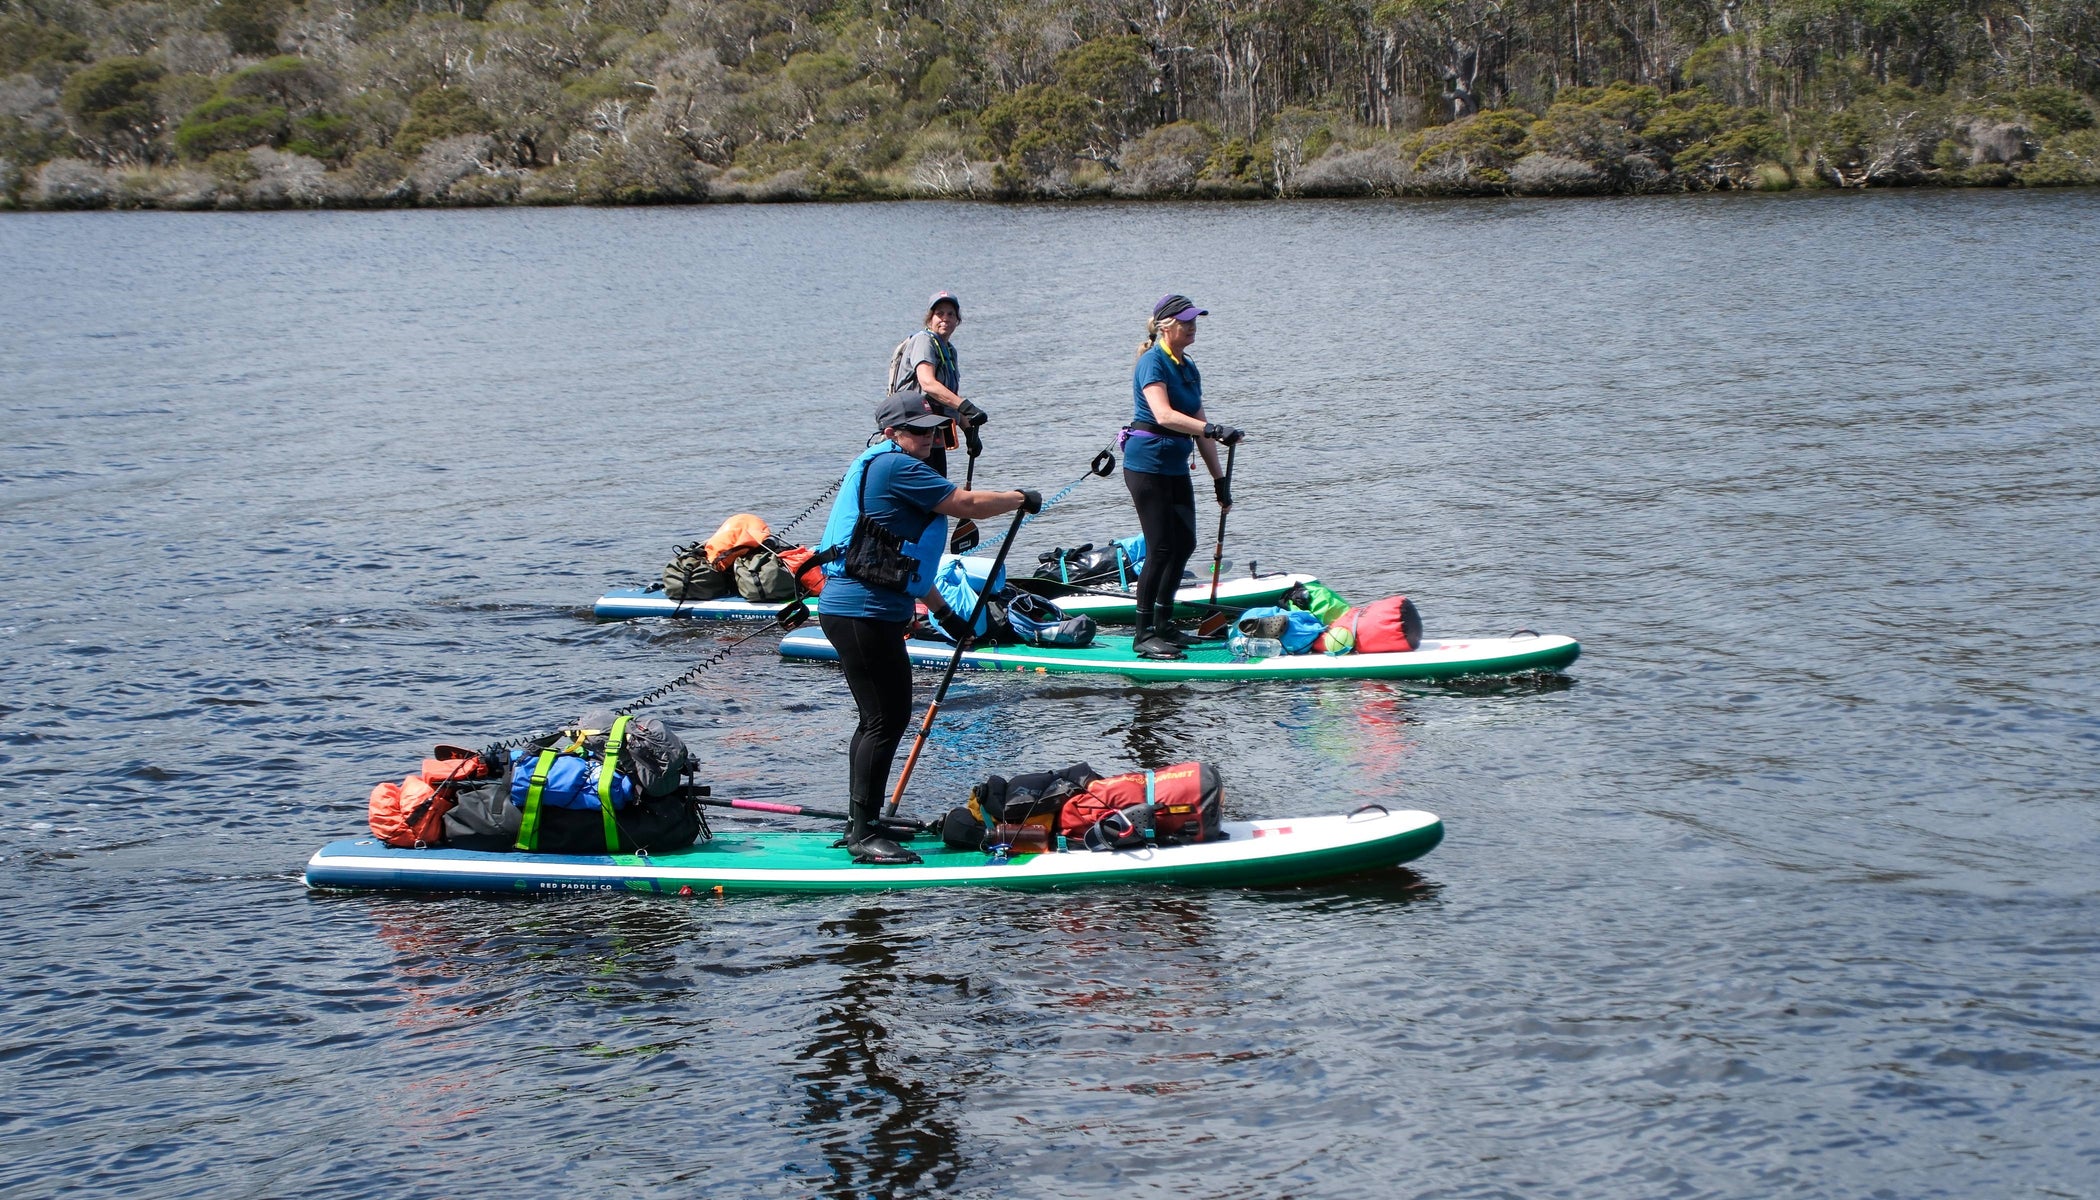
(925,362)
(884,537)
(1167,426)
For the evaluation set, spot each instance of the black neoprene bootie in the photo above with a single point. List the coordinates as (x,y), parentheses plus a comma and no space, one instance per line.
(871,846)
(877,851)
(1153,645)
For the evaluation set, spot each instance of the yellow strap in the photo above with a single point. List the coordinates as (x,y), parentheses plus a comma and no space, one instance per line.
(529,827)
(606,770)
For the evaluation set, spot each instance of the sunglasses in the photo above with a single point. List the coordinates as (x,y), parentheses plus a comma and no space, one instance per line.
(944,434)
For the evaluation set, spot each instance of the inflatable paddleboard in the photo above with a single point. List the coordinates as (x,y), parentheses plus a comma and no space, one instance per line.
(1243,592)
(1253,854)
(1449,658)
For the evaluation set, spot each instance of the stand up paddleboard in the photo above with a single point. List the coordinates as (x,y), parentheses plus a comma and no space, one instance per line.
(1253,854)
(1450,658)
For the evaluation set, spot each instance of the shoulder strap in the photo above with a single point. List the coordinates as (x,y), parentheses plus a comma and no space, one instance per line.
(606,770)
(897,360)
(529,828)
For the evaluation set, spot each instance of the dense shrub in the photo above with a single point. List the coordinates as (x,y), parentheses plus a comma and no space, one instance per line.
(645,101)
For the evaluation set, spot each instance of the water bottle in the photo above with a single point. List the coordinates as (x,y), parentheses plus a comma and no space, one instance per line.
(1020,839)
(1244,647)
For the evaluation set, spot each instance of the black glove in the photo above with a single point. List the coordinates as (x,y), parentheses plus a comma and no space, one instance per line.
(1224,491)
(972,441)
(972,416)
(949,621)
(1223,433)
(1031,501)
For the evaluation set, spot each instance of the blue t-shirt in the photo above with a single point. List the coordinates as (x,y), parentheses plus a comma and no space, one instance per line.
(901,492)
(1167,455)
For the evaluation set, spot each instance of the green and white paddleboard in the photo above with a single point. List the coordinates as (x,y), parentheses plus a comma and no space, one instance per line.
(1243,592)
(1448,658)
(1253,854)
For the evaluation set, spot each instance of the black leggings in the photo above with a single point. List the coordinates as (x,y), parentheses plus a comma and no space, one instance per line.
(1166,509)
(879,673)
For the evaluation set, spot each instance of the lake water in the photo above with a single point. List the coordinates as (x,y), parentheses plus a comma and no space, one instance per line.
(1787,889)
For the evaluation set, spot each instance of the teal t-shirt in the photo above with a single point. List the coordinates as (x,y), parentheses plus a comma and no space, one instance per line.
(1168,455)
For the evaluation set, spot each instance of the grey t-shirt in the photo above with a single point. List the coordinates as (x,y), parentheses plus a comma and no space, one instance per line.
(924,347)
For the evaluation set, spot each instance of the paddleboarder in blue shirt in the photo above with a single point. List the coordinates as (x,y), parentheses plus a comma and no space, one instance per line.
(888,526)
(1167,425)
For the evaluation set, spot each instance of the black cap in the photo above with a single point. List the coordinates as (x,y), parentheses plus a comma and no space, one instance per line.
(907,410)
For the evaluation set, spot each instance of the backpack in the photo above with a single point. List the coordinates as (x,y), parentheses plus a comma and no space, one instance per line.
(1120,560)
(762,578)
(411,814)
(1387,626)
(1035,621)
(1177,805)
(688,577)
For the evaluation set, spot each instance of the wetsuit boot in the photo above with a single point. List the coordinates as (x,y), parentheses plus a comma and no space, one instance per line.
(1163,628)
(871,848)
(1146,642)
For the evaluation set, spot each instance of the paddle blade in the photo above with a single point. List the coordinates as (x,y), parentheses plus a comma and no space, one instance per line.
(1214,624)
(792,615)
(965,537)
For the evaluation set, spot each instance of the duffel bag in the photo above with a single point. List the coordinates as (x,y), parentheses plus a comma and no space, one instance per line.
(688,576)
(762,578)
(1388,626)
(1181,803)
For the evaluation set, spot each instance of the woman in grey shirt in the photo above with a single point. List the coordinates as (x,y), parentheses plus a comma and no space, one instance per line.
(925,362)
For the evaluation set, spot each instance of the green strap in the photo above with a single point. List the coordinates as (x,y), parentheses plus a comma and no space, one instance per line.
(529,828)
(1151,787)
(606,769)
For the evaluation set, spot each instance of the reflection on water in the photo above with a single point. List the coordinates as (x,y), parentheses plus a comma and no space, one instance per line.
(886,1109)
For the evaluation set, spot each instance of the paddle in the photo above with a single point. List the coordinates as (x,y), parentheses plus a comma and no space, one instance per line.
(893,825)
(955,660)
(965,537)
(1217,558)
(1051,589)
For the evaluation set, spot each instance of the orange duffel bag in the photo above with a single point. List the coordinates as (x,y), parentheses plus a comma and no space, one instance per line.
(411,814)
(1181,803)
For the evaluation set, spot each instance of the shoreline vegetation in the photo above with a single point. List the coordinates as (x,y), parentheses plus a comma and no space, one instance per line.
(256,104)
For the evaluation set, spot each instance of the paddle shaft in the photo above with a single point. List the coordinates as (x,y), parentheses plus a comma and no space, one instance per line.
(940,693)
(1217,558)
(1050,589)
(791,810)
(964,539)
